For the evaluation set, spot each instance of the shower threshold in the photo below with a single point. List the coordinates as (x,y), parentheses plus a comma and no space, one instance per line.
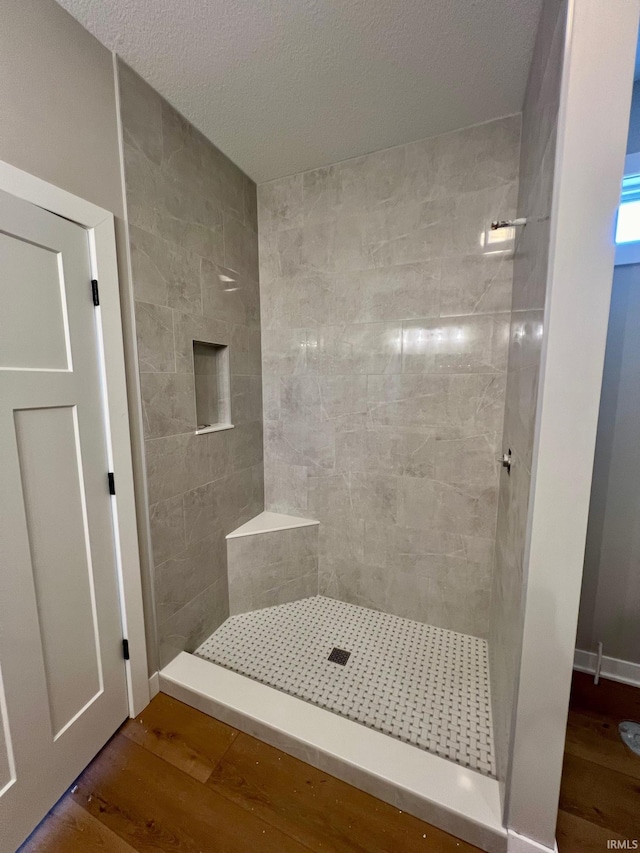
(407,717)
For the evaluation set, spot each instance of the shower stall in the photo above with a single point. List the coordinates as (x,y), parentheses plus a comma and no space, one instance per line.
(332,366)
(385,313)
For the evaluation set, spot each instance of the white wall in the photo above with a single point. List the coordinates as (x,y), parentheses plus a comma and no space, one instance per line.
(592,130)
(58,103)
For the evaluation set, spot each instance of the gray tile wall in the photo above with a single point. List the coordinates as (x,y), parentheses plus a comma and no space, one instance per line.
(193,236)
(272,568)
(539,125)
(385,334)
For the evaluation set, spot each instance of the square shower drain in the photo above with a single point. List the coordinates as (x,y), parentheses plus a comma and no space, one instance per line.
(339,656)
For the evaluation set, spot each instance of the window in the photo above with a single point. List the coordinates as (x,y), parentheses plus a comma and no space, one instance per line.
(628,222)
(628,227)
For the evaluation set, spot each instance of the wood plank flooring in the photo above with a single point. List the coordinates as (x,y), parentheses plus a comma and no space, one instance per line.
(177,781)
(600,794)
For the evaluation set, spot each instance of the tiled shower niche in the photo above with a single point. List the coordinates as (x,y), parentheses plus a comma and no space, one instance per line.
(212,386)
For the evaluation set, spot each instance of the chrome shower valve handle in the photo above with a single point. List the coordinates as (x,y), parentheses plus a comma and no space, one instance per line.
(506,460)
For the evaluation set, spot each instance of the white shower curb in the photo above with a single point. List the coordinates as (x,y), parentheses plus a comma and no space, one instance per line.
(455,799)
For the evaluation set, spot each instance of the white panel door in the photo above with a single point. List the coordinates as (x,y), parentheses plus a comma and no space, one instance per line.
(62,674)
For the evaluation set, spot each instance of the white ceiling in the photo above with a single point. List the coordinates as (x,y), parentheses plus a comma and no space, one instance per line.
(286,85)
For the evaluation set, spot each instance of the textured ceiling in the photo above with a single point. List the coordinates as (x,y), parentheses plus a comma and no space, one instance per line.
(286,85)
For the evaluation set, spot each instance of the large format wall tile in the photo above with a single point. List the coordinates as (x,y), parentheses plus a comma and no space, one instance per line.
(193,239)
(156,348)
(168,403)
(384,351)
(272,568)
(164,273)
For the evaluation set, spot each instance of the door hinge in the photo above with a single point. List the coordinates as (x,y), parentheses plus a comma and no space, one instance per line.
(112,483)
(94,291)
(125,649)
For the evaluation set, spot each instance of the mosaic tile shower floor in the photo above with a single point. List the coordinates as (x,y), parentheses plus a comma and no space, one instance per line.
(424,685)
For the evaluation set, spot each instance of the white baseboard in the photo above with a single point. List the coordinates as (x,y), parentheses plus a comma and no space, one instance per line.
(617,670)
(517,843)
(154,685)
